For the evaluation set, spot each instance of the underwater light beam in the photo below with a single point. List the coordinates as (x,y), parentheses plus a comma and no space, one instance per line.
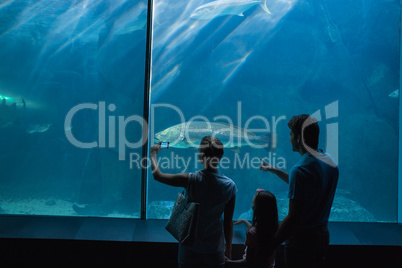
(214,32)
(231,33)
(71,18)
(238,63)
(28,14)
(76,19)
(132,20)
(6,3)
(76,37)
(165,81)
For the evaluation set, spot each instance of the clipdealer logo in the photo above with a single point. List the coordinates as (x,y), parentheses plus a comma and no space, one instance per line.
(332,130)
(112,131)
(105,129)
(112,128)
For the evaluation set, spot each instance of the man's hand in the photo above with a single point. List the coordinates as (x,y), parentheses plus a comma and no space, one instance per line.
(265,166)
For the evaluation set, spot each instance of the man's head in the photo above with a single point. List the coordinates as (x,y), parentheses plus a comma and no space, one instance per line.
(304,128)
(211,149)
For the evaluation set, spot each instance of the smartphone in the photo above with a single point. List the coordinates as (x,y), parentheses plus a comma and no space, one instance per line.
(165,145)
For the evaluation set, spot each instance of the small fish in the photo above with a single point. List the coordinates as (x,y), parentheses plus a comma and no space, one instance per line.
(189,135)
(394,94)
(129,24)
(226,7)
(36,128)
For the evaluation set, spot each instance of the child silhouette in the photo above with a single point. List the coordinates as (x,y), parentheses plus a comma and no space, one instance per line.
(259,233)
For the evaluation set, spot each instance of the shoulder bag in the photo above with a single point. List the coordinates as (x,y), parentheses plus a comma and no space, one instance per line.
(183,221)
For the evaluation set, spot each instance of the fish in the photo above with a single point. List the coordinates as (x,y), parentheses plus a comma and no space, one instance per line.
(38,128)
(189,135)
(226,7)
(129,24)
(394,94)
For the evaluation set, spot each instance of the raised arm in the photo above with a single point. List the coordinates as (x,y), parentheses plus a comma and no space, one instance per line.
(265,166)
(177,180)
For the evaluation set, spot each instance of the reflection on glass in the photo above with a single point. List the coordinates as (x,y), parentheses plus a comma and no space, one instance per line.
(252,66)
(69,71)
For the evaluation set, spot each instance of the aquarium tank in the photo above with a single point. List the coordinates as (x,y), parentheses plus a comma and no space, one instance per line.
(87,87)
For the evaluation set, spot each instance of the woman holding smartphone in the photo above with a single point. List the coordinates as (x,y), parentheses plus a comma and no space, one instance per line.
(216,195)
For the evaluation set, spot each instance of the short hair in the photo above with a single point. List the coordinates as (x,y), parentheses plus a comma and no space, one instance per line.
(311,130)
(211,147)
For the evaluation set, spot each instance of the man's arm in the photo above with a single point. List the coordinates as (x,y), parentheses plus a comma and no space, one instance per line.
(265,166)
(290,223)
(178,180)
(228,226)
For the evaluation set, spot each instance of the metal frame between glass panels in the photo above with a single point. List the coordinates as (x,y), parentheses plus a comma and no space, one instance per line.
(147,88)
(399,212)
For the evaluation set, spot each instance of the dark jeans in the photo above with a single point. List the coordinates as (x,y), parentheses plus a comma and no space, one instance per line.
(307,248)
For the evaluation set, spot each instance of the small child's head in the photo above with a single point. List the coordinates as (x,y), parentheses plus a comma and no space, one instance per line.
(265,212)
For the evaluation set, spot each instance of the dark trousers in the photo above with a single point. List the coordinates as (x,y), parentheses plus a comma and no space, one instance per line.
(307,248)
(191,259)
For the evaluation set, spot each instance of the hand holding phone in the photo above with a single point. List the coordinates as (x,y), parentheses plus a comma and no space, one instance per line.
(164,145)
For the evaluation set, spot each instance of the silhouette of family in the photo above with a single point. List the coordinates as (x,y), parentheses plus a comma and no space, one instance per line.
(312,184)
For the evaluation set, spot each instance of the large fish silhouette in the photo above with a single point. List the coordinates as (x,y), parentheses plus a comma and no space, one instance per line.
(226,7)
(189,135)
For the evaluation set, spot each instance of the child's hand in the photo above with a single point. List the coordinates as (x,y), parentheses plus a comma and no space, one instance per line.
(239,221)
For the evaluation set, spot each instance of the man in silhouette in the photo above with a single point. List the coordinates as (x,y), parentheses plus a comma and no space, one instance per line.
(312,184)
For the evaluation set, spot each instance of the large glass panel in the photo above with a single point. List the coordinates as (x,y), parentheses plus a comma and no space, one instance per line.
(71,74)
(255,64)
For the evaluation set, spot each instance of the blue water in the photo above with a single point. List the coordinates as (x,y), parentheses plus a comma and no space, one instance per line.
(336,60)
